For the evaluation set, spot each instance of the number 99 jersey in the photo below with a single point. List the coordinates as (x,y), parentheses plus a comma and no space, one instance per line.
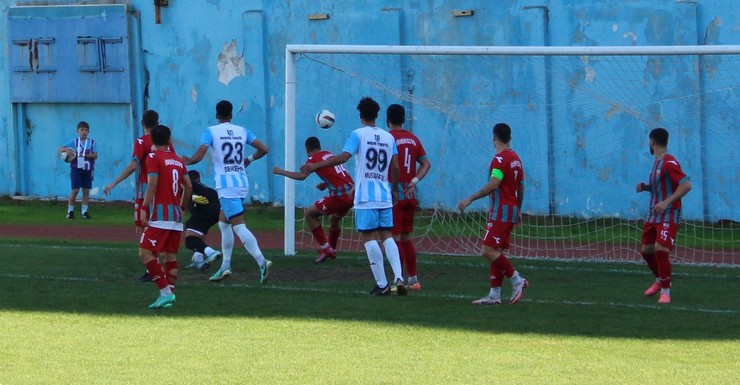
(227,142)
(375,148)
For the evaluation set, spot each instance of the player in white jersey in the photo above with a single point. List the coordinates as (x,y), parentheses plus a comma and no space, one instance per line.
(227,142)
(376,167)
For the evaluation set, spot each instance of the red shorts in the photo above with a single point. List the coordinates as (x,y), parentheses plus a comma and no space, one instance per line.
(334,205)
(403,216)
(137,206)
(498,234)
(663,234)
(160,240)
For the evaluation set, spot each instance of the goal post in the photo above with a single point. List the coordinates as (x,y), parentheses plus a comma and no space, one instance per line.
(579,115)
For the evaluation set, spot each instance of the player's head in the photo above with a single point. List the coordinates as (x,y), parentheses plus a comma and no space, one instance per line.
(194,176)
(502,133)
(161,135)
(658,137)
(368,108)
(395,115)
(83,129)
(313,144)
(150,119)
(224,110)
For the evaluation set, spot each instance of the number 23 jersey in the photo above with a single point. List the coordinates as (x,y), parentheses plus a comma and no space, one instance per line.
(227,142)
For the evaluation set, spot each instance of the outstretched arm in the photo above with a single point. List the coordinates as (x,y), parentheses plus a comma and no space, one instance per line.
(331,162)
(197,157)
(130,168)
(486,190)
(290,174)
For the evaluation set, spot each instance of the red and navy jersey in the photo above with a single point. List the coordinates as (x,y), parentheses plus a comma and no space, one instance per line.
(505,199)
(665,176)
(336,178)
(143,147)
(165,211)
(410,151)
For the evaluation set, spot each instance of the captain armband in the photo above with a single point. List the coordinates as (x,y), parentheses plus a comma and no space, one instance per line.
(498,174)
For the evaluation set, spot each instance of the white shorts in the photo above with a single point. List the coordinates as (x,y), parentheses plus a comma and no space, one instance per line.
(369,220)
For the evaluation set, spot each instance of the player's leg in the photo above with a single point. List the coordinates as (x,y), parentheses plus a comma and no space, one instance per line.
(335,230)
(227,248)
(197,227)
(648,254)
(76,184)
(86,177)
(663,246)
(385,226)
(312,215)
(152,241)
(234,212)
(139,226)
(495,241)
(396,233)
(366,223)
(409,250)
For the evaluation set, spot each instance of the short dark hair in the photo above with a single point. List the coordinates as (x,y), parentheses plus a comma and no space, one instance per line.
(660,136)
(224,109)
(396,114)
(161,135)
(368,108)
(194,175)
(83,124)
(502,132)
(150,119)
(313,143)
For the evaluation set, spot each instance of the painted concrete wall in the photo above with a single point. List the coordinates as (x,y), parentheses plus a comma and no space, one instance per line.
(206,51)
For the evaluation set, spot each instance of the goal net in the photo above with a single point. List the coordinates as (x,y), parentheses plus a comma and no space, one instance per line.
(580,119)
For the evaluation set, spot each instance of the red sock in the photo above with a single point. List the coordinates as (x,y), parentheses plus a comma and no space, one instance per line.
(404,258)
(410,251)
(651,262)
(170,269)
(318,235)
(503,264)
(334,237)
(156,273)
(664,268)
(497,276)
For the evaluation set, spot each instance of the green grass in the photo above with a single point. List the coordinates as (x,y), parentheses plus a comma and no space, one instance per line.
(70,313)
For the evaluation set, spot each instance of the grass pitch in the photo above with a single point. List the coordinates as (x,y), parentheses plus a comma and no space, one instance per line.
(70,313)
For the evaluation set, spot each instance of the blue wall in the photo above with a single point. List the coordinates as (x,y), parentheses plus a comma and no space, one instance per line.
(175,70)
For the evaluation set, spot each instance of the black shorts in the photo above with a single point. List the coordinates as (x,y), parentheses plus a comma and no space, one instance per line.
(201,222)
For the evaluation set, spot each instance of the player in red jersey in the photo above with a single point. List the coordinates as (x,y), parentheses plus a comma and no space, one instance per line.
(142,147)
(167,196)
(336,204)
(410,152)
(667,185)
(507,194)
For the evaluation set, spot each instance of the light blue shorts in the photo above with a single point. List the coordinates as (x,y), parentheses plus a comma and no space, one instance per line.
(232,207)
(368,220)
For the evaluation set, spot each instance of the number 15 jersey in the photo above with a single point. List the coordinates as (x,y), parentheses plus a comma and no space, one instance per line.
(227,142)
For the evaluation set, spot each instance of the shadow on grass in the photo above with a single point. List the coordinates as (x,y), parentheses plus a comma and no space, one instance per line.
(590,300)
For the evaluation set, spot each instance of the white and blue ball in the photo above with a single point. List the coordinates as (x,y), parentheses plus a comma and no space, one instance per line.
(325,119)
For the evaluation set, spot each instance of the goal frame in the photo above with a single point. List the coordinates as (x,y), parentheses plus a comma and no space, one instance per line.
(293,50)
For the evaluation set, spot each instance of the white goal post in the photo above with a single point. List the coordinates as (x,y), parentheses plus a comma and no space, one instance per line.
(295,51)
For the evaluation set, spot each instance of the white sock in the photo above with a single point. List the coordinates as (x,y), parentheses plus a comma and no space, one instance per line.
(666,292)
(516,279)
(84,209)
(70,208)
(165,292)
(197,257)
(227,244)
(209,251)
(250,243)
(376,262)
(325,246)
(391,252)
(495,293)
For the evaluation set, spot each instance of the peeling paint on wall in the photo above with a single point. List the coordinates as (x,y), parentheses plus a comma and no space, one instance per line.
(194,94)
(230,63)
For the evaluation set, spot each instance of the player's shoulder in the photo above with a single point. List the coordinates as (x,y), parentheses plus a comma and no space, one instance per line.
(669,159)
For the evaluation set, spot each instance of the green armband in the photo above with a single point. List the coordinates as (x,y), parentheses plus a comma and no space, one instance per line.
(498,174)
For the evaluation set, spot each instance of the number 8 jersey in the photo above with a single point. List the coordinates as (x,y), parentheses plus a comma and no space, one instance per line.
(374,148)
(227,142)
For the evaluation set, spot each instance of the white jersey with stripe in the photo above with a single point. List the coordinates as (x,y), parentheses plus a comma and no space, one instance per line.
(228,142)
(374,148)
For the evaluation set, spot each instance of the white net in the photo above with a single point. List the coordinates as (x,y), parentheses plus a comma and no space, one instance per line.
(580,125)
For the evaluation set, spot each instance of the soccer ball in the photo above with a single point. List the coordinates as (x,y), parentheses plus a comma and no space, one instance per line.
(67,155)
(325,119)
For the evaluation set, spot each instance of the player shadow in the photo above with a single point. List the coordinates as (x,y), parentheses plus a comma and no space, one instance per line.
(338,290)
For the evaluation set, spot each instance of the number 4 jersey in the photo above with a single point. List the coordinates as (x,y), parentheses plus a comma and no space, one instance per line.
(227,142)
(165,211)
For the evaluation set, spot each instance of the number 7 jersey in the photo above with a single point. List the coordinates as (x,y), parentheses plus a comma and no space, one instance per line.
(227,142)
